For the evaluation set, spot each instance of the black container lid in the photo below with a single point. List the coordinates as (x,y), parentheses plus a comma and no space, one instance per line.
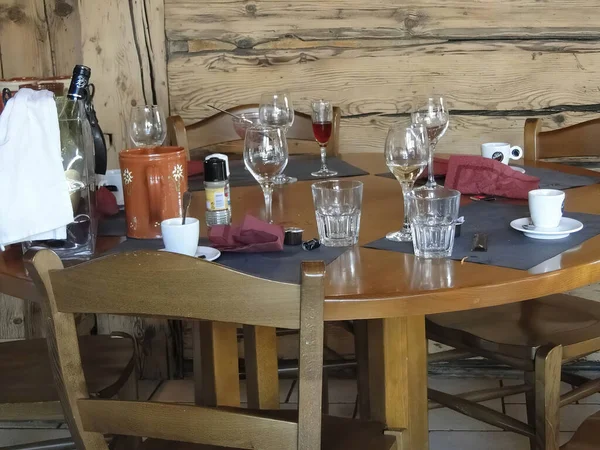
(215,170)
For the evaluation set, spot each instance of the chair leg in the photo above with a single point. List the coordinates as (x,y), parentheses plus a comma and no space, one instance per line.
(530,403)
(548,364)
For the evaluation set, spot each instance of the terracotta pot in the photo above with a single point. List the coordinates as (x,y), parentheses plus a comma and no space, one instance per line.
(154,180)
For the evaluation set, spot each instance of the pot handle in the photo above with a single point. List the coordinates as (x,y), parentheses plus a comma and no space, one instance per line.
(154,193)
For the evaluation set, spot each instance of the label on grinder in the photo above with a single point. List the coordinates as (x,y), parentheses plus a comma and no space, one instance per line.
(216,199)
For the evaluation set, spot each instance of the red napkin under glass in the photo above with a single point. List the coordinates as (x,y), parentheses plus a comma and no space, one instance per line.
(479,175)
(253,235)
(440,168)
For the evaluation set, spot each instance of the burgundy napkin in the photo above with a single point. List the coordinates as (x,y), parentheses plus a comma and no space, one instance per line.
(195,168)
(479,175)
(253,235)
(106,203)
(440,167)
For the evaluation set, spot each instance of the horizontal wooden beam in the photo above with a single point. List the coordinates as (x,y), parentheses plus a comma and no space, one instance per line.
(248,23)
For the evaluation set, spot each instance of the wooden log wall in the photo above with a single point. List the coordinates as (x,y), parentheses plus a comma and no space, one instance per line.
(124,44)
(496,61)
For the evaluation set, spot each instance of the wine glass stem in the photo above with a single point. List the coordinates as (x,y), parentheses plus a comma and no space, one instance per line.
(406,188)
(323,158)
(430,173)
(268,193)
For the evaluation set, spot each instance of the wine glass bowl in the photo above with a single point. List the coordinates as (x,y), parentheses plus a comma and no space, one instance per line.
(147,127)
(322,118)
(241,124)
(265,156)
(406,155)
(435,117)
(276,110)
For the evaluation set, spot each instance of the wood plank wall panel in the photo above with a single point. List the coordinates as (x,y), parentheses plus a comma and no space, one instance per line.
(65,35)
(497,62)
(24,39)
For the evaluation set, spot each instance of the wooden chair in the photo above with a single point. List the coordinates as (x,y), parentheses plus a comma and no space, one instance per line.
(218,129)
(140,283)
(536,336)
(27,387)
(578,140)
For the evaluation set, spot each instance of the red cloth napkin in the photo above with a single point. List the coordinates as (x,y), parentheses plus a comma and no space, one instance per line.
(195,168)
(440,167)
(253,235)
(106,203)
(479,175)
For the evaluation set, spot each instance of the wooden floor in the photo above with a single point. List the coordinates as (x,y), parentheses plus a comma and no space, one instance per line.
(448,430)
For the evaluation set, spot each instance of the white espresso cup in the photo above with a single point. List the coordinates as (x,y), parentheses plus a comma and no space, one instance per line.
(501,151)
(180,238)
(546,207)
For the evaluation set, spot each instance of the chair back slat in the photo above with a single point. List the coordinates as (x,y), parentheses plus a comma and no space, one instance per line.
(174,286)
(189,423)
(218,129)
(169,285)
(576,140)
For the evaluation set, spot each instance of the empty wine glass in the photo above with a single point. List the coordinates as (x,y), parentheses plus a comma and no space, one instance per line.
(148,127)
(406,154)
(435,117)
(276,110)
(322,117)
(265,156)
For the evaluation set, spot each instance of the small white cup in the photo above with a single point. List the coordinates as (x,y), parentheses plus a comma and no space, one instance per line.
(501,151)
(546,207)
(113,178)
(180,238)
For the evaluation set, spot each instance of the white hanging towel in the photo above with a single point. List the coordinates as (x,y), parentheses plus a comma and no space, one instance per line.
(34,193)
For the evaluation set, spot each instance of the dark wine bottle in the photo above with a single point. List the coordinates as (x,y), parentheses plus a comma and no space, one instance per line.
(81,89)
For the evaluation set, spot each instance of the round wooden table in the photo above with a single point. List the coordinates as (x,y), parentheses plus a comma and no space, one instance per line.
(392,291)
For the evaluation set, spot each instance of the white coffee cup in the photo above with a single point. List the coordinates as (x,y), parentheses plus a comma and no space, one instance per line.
(546,207)
(113,178)
(180,238)
(501,151)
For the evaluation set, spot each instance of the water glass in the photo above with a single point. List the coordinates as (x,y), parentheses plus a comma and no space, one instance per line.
(433,214)
(337,207)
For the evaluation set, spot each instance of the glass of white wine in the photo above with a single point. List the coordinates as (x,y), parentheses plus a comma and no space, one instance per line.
(406,155)
(435,117)
(265,156)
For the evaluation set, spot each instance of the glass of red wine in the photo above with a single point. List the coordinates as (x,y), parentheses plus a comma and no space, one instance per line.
(322,117)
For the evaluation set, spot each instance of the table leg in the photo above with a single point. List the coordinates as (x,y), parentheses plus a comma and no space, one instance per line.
(262,379)
(216,371)
(361,346)
(398,378)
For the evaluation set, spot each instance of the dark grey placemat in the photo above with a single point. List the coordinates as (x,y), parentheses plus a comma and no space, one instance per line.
(281,266)
(549,179)
(300,168)
(113,226)
(506,247)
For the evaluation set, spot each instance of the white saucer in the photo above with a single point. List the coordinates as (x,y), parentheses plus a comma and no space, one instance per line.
(209,253)
(517,168)
(564,228)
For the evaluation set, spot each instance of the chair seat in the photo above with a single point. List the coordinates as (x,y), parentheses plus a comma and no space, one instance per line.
(26,373)
(519,329)
(337,433)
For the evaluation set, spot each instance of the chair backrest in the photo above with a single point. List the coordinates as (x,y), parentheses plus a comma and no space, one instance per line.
(175,286)
(218,129)
(576,140)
